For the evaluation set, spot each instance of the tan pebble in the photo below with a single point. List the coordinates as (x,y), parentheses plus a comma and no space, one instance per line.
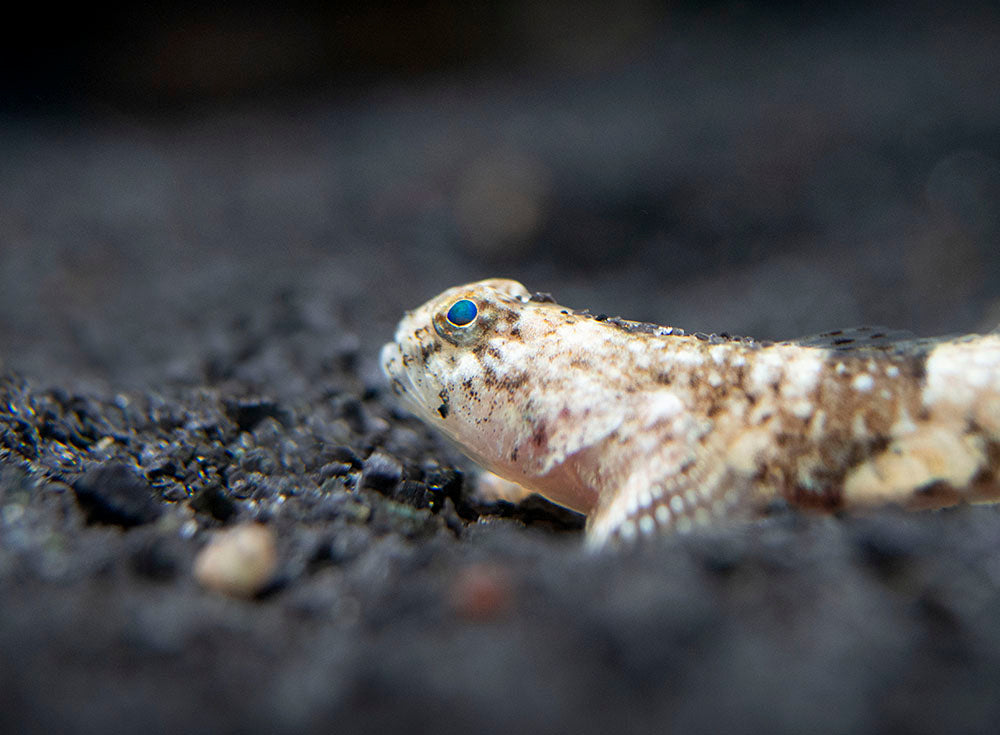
(239,561)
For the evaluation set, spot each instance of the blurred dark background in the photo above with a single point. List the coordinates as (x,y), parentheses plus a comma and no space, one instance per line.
(169,171)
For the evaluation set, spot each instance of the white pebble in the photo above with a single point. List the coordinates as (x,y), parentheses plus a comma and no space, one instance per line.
(239,561)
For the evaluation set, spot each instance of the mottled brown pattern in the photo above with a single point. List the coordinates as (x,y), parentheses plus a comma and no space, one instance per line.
(648,428)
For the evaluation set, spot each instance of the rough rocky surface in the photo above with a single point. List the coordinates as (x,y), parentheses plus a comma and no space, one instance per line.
(190,311)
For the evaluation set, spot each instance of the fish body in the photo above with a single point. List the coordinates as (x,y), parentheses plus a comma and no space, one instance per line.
(647,428)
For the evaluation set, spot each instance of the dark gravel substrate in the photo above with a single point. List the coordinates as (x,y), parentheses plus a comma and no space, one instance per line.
(190,312)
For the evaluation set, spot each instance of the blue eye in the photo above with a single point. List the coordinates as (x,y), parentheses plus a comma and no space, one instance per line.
(462,313)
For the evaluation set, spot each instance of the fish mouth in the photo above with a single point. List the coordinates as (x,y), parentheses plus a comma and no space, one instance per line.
(393,360)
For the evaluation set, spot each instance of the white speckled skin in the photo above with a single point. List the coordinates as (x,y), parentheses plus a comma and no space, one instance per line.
(646,428)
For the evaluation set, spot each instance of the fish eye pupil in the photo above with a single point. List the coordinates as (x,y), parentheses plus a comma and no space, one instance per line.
(462,313)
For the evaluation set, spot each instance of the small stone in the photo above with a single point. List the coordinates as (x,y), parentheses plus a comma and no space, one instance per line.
(338,453)
(413,493)
(334,469)
(348,543)
(114,494)
(248,412)
(381,472)
(258,460)
(214,502)
(240,561)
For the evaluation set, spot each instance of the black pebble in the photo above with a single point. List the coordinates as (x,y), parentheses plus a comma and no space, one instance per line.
(248,412)
(414,493)
(116,495)
(333,469)
(214,502)
(381,472)
(341,454)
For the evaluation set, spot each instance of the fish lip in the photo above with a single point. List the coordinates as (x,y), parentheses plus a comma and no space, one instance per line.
(392,357)
(408,394)
(394,370)
(390,353)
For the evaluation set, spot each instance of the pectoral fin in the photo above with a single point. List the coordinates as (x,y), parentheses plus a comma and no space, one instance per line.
(702,491)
